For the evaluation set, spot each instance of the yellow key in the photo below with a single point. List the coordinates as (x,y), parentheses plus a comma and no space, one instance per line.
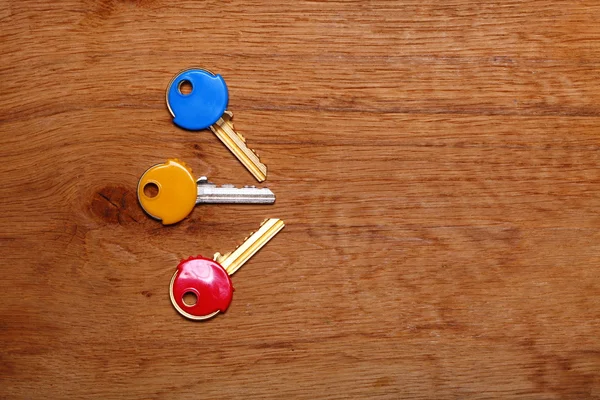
(169,192)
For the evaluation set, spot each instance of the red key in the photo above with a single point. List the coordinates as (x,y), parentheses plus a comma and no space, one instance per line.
(208,280)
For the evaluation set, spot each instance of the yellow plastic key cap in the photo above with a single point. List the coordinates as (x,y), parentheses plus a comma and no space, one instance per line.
(168,191)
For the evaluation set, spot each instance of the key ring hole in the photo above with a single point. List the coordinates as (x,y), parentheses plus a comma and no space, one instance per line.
(185,87)
(151,190)
(190,299)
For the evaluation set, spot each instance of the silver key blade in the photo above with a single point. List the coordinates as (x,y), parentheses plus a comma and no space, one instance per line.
(229,194)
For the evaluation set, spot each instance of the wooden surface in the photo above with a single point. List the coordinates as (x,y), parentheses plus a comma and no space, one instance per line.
(436,164)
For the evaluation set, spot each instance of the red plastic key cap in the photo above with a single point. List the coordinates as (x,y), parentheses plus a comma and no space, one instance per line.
(208,281)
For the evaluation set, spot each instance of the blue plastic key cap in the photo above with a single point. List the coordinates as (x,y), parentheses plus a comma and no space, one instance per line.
(204,105)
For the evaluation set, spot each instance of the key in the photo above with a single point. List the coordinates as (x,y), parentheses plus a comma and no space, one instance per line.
(205,106)
(209,280)
(169,192)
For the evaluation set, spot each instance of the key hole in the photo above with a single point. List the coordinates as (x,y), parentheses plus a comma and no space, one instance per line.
(151,190)
(185,87)
(190,299)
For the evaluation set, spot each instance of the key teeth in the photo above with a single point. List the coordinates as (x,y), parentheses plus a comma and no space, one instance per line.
(242,138)
(225,124)
(248,250)
(237,247)
(227,118)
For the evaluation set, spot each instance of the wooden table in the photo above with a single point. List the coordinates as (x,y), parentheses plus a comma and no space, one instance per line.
(436,164)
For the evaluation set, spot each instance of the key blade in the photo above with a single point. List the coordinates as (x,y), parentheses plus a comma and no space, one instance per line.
(233,261)
(236,143)
(229,194)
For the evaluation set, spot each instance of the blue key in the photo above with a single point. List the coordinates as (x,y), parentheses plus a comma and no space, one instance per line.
(204,105)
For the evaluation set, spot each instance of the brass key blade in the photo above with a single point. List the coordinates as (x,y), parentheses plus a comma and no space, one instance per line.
(233,261)
(236,143)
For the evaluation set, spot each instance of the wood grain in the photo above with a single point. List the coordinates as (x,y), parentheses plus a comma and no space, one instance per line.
(436,164)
